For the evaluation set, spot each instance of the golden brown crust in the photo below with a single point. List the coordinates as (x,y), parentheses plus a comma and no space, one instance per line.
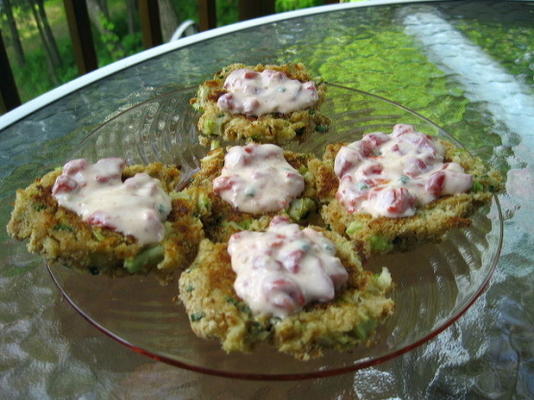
(61,237)
(430,223)
(215,311)
(220,219)
(215,124)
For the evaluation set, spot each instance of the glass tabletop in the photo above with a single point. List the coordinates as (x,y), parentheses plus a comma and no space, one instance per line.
(468,66)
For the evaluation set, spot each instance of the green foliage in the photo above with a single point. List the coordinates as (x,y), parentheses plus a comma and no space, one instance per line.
(227,12)
(186,10)
(34,78)
(288,5)
(115,43)
(110,40)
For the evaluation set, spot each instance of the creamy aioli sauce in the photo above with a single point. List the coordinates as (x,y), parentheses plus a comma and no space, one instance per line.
(257,179)
(95,192)
(389,175)
(254,93)
(283,269)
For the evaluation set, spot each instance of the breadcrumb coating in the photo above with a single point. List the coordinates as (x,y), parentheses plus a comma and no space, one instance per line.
(61,237)
(215,124)
(430,222)
(221,220)
(216,312)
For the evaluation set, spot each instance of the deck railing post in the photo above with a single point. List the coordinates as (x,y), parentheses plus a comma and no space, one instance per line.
(207,14)
(81,36)
(150,23)
(9,97)
(253,9)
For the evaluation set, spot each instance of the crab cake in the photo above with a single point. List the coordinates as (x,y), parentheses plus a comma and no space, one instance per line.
(209,291)
(451,193)
(93,244)
(261,193)
(262,103)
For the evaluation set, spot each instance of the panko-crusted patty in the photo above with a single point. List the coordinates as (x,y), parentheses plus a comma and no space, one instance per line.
(61,236)
(215,124)
(221,220)
(430,222)
(216,312)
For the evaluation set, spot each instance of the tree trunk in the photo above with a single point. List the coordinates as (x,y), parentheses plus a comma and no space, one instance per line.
(97,16)
(168,19)
(15,38)
(104,7)
(49,57)
(98,19)
(48,32)
(132,9)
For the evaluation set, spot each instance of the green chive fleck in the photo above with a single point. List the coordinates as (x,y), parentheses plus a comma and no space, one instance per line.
(250,191)
(197,316)
(363,186)
(38,207)
(477,187)
(233,301)
(63,227)
(353,227)
(321,128)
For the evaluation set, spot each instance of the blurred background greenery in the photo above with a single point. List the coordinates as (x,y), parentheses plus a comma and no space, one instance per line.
(40,51)
(37,38)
